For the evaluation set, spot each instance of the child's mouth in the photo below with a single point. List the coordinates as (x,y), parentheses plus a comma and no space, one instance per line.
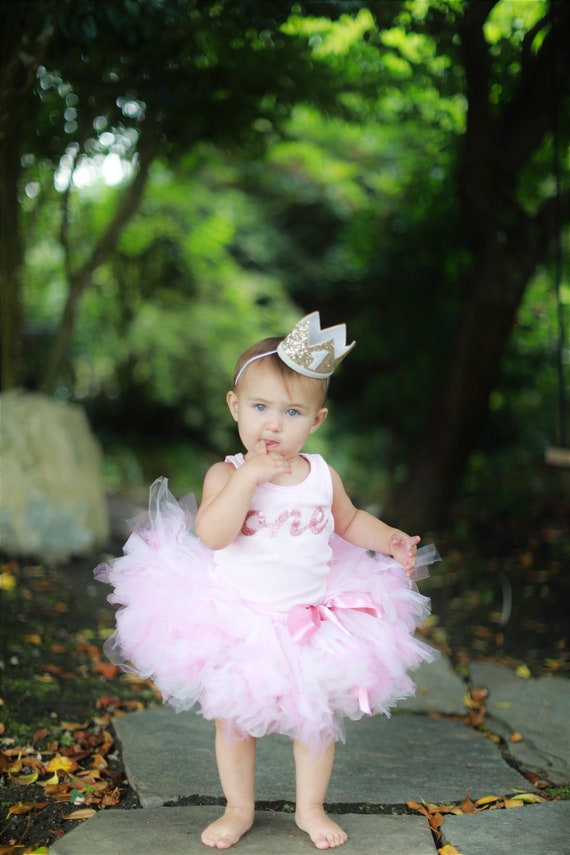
(271,445)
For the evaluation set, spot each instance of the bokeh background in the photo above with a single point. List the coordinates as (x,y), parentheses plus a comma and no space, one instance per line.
(180,178)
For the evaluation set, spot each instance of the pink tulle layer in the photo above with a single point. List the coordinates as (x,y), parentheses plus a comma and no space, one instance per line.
(201,643)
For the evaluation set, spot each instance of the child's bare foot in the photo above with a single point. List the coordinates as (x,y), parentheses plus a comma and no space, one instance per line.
(227,830)
(324,833)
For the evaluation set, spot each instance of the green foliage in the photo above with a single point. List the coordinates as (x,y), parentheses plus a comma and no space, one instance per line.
(332,184)
(103,70)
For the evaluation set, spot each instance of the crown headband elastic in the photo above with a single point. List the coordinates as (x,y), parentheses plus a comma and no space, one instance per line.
(308,349)
(249,361)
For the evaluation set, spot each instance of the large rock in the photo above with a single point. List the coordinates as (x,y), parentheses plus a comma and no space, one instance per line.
(52,499)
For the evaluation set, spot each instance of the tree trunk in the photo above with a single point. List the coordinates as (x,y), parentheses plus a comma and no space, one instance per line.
(507,245)
(25,36)
(460,407)
(15,83)
(10,263)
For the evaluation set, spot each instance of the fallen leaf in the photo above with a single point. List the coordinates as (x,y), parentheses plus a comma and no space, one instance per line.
(485,800)
(8,765)
(111,799)
(107,669)
(416,806)
(107,701)
(432,813)
(431,808)
(517,737)
(513,803)
(59,793)
(475,701)
(40,734)
(25,807)
(98,762)
(436,821)
(60,672)
(468,806)
(537,781)
(77,783)
(523,672)
(107,743)
(82,813)
(530,798)
(24,780)
(51,782)
(7,581)
(66,764)
(91,650)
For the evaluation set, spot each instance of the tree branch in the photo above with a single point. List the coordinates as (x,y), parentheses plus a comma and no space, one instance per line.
(78,281)
(496,149)
(474,175)
(64,225)
(127,208)
(543,85)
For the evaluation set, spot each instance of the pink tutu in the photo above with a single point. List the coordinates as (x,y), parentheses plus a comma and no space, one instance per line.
(298,673)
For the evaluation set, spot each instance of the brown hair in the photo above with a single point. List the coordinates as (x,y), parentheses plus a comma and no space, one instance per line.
(266,348)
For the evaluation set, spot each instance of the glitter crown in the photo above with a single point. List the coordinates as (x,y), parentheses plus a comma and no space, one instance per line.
(314,352)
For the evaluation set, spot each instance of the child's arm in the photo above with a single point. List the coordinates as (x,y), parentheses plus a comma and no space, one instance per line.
(227,493)
(369,532)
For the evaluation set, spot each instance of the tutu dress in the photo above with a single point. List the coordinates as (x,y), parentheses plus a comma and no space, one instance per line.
(290,629)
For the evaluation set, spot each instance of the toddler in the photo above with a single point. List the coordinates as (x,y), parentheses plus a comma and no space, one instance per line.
(292,609)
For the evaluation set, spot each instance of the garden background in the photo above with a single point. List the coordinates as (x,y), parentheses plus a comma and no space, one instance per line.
(182,177)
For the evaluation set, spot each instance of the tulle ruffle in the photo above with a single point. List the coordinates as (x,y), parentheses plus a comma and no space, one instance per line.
(298,674)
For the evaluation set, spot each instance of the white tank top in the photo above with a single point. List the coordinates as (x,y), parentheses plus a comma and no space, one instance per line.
(280,557)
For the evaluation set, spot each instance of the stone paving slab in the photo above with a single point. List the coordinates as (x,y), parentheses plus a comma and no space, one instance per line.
(439,689)
(386,762)
(542,829)
(169,757)
(538,709)
(176,831)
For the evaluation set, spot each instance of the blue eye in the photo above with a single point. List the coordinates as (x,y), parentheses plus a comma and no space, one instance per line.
(293,412)
(259,407)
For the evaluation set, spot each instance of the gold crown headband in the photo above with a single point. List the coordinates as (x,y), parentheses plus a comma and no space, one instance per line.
(310,350)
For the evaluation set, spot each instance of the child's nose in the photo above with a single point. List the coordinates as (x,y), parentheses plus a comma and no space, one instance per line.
(274,422)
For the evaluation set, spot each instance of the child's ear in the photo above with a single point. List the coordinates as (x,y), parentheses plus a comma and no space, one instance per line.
(232,402)
(319,419)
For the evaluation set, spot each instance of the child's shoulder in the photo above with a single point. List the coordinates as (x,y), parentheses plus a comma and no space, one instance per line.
(216,478)
(221,469)
(322,467)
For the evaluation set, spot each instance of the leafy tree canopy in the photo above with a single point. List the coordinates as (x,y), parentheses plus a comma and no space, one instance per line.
(392,163)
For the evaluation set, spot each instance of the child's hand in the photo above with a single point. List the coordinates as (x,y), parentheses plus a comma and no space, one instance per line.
(403,548)
(267,466)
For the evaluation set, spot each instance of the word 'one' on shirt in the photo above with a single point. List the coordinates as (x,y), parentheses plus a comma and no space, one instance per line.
(280,557)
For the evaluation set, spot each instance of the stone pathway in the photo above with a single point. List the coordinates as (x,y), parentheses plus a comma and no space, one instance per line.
(419,753)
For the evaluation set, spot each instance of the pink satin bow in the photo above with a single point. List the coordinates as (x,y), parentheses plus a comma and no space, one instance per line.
(304,621)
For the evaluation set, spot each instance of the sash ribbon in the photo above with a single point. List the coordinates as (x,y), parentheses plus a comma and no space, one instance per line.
(303,621)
